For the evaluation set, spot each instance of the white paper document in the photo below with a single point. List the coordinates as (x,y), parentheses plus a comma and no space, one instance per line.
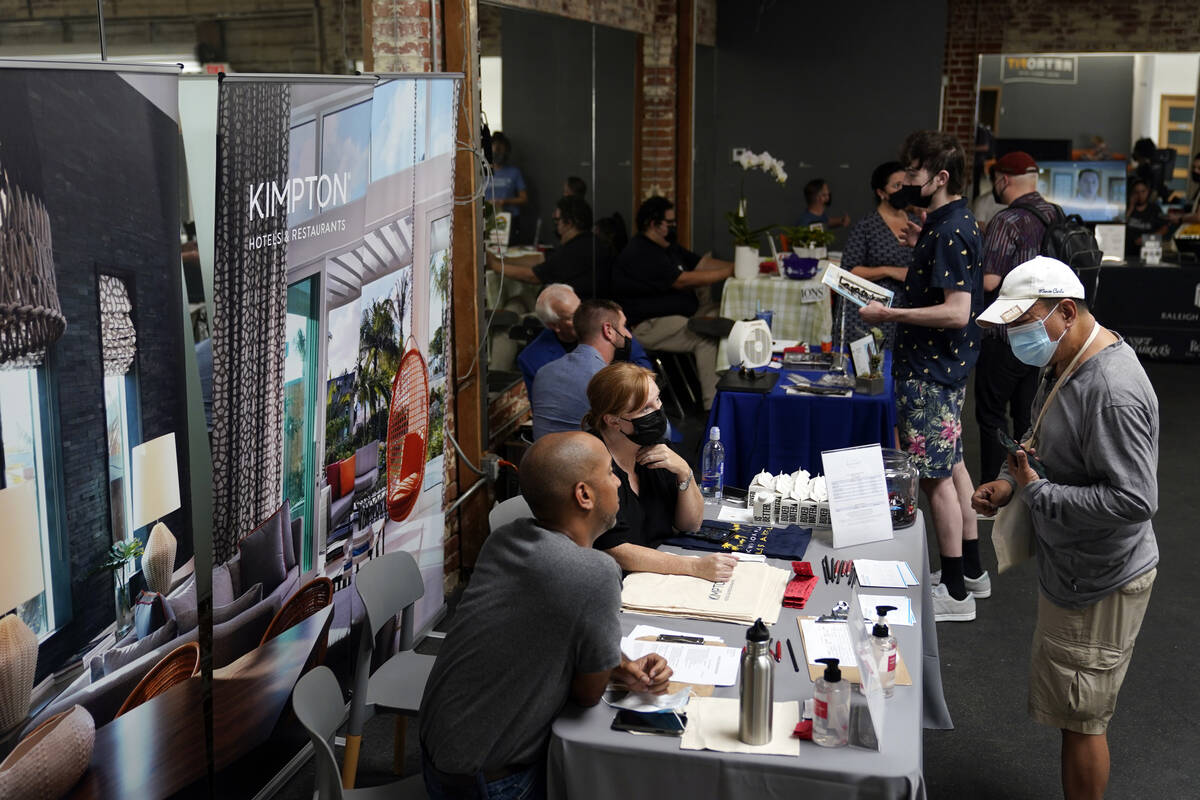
(884,574)
(734,514)
(858,496)
(903,615)
(827,640)
(691,663)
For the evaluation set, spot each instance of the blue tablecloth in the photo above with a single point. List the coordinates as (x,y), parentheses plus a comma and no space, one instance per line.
(783,432)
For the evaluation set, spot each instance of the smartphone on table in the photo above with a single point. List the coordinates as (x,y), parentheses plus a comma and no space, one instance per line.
(663,723)
(1012,447)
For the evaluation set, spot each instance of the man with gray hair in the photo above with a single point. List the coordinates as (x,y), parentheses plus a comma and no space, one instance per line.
(1089,504)
(555,308)
(538,625)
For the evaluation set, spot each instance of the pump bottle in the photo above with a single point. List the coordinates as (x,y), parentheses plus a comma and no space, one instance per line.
(831,707)
(883,648)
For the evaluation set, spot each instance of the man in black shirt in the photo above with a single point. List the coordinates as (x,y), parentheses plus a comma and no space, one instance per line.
(654,279)
(937,344)
(582,261)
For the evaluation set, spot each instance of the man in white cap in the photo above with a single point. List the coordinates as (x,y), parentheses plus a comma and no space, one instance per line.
(1096,430)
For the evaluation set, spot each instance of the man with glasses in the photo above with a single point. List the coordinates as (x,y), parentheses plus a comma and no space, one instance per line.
(582,260)
(655,281)
(937,344)
(1097,556)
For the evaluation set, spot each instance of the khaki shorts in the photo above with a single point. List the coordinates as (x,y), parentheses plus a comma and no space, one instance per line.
(1080,657)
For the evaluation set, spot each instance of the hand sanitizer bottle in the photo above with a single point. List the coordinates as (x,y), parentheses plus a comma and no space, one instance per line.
(831,707)
(883,647)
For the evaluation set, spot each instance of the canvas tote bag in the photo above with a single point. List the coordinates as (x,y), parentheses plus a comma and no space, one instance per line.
(1012,532)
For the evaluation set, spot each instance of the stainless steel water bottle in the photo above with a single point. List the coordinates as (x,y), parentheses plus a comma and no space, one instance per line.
(757,687)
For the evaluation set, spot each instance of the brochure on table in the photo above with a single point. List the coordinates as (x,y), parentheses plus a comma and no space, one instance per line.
(859,291)
(861,351)
(858,498)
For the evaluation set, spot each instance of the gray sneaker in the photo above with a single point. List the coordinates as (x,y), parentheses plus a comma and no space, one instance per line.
(981,587)
(947,609)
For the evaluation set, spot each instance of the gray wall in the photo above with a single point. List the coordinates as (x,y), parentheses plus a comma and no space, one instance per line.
(1099,103)
(836,85)
(547,84)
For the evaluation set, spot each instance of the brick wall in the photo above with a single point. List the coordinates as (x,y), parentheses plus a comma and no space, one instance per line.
(659,96)
(976,27)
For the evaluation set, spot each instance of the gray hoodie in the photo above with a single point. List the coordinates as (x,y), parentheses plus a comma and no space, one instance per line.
(1099,444)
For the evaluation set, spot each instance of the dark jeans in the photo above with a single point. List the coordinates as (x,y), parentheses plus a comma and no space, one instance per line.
(1003,385)
(529,784)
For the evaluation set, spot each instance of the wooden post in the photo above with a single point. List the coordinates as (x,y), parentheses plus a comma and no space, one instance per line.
(460,29)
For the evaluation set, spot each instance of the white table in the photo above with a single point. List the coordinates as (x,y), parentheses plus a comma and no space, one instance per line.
(589,760)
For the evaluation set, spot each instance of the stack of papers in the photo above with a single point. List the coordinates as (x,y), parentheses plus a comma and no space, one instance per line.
(713,725)
(887,574)
(755,590)
(707,665)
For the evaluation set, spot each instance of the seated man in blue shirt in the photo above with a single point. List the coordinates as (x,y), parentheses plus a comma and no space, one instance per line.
(560,389)
(555,308)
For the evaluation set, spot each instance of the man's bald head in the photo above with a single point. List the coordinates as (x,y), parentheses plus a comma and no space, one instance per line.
(554,466)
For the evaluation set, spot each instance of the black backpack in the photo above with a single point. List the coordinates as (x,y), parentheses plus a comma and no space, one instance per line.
(1066,239)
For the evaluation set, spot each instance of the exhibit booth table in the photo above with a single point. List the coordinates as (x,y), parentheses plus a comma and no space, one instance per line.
(1156,309)
(590,761)
(801,308)
(783,432)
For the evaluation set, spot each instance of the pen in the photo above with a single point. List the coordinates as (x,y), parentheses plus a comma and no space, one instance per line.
(792,653)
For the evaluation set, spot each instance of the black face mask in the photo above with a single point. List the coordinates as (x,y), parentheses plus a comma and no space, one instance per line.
(996,195)
(910,195)
(649,429)
(672,233)
(621,351)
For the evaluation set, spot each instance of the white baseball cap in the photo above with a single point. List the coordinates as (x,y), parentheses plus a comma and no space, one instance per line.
(1039,278)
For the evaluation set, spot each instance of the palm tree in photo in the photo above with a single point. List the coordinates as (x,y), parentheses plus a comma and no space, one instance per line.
(379,354)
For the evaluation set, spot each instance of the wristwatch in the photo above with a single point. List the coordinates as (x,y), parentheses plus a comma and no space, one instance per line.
(684,484)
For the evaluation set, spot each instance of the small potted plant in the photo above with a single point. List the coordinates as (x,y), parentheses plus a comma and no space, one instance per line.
(119,560)
(872,383)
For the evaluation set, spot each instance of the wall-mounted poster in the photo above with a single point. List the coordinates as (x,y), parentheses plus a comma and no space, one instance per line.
(331,319)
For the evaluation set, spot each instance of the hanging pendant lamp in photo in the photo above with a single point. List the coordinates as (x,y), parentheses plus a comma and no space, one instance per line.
(31,318)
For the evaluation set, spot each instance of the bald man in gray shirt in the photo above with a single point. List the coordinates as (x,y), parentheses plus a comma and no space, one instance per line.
(537,625)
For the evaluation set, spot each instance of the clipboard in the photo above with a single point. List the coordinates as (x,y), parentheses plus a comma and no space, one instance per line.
(700,689)
(850,673)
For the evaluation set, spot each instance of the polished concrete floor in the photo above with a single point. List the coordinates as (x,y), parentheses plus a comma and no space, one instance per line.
(995,751)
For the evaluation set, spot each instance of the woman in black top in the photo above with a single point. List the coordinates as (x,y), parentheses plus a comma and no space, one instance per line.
(874,251)
(658,491)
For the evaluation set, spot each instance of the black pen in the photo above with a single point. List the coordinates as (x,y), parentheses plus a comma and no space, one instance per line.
(792,653)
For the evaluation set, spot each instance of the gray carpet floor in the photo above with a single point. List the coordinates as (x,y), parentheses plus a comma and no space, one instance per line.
(995,751)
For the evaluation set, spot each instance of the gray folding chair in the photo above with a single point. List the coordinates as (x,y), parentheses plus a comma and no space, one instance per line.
(507,511)
(388,585)
(317,701)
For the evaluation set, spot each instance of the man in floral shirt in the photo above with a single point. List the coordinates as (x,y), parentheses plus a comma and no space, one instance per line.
(937,344)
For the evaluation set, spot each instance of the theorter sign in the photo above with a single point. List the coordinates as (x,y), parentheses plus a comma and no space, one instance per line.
(1039,69)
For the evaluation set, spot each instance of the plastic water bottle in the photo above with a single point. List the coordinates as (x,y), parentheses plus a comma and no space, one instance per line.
(712,467)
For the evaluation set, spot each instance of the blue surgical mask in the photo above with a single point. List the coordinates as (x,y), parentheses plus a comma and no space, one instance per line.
(1031,344)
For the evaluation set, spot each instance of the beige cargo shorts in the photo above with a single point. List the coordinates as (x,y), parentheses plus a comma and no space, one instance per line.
(1080,657)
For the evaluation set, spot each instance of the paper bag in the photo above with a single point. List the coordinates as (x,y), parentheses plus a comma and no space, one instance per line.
(1012,533)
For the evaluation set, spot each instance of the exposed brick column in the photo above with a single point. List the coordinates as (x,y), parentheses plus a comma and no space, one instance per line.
(658,104)
(972,28)
(397,36)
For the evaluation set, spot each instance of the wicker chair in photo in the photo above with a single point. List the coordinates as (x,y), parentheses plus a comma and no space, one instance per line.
(308,600)
(175,667)
(408,434)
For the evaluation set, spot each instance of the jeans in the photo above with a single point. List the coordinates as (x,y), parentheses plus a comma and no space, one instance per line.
(529,784)
(1003,385)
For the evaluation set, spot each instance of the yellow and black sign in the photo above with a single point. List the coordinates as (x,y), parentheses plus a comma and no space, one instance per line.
(1039,69)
